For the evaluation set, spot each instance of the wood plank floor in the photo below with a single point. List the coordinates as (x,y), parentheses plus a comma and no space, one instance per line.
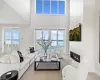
(41,75)
(30,74)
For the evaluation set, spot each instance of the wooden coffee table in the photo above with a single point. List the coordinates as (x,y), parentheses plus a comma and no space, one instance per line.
(46,64)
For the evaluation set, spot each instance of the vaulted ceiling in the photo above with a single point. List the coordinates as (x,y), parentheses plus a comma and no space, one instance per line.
(22,7)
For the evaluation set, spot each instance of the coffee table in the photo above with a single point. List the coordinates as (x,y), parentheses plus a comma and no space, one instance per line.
(46,63)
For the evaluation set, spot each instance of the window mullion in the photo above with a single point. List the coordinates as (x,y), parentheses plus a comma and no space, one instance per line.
(57,38)
(57,6)
(42,6)
(50,6)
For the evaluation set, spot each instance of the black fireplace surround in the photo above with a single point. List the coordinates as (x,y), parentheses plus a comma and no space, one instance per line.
(75,56)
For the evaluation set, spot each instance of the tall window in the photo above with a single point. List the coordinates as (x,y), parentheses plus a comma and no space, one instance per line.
(50,6)
(56,36)
(11,39)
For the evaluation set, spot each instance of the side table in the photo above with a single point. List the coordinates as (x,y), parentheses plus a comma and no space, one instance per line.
(14,76)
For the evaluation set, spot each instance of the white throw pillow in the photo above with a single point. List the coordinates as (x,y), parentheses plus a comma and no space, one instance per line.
(5,59)
(14,59)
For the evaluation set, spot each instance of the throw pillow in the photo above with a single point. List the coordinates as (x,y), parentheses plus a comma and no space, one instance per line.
(32,49)
(20,56)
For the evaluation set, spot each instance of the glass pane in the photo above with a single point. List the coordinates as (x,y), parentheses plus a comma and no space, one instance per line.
(38,6)
(60,34)
(15,34)
(38,46)
(38,34)
(46,34)
(60,43)
(54,35)
(8,46)
(61,7)
(53,44)
(53,7)
(46,7)
(15,45)
(7,34)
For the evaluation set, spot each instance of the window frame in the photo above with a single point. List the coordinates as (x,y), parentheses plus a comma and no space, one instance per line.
(50,8)
(3,37)
(50,30)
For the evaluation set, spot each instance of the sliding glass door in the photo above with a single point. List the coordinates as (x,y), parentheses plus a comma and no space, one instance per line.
(11,39)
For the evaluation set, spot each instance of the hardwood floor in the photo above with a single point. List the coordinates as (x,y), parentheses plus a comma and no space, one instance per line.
(30,74)
(41,75)
(93,76)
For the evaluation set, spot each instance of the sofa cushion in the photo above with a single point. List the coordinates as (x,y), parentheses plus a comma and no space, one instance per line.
(30,56)
(20,56)
(14,59)
(24,52)
(5,59)
(24,63)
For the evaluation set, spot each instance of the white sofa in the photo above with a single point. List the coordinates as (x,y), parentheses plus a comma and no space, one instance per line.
(15,64)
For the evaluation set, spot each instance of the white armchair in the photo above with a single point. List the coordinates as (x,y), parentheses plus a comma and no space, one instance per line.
(69,73)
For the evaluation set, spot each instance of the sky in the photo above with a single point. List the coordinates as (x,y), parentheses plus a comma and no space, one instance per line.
(53,36)
(46,9)
(11,34)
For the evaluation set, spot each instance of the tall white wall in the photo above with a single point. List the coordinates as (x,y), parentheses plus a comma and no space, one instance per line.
(97,38)
(88,38)
(76,16)
(26,37)
(86,48)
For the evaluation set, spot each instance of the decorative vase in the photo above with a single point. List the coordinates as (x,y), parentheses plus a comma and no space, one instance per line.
(45,53)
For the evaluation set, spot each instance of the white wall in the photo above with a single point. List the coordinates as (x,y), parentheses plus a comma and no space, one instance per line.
(97,40)
(88,38)
(26,37)
(76,16)
(47,21)
(86,48)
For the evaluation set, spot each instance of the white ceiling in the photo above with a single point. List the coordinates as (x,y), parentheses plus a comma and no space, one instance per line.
(22,7)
